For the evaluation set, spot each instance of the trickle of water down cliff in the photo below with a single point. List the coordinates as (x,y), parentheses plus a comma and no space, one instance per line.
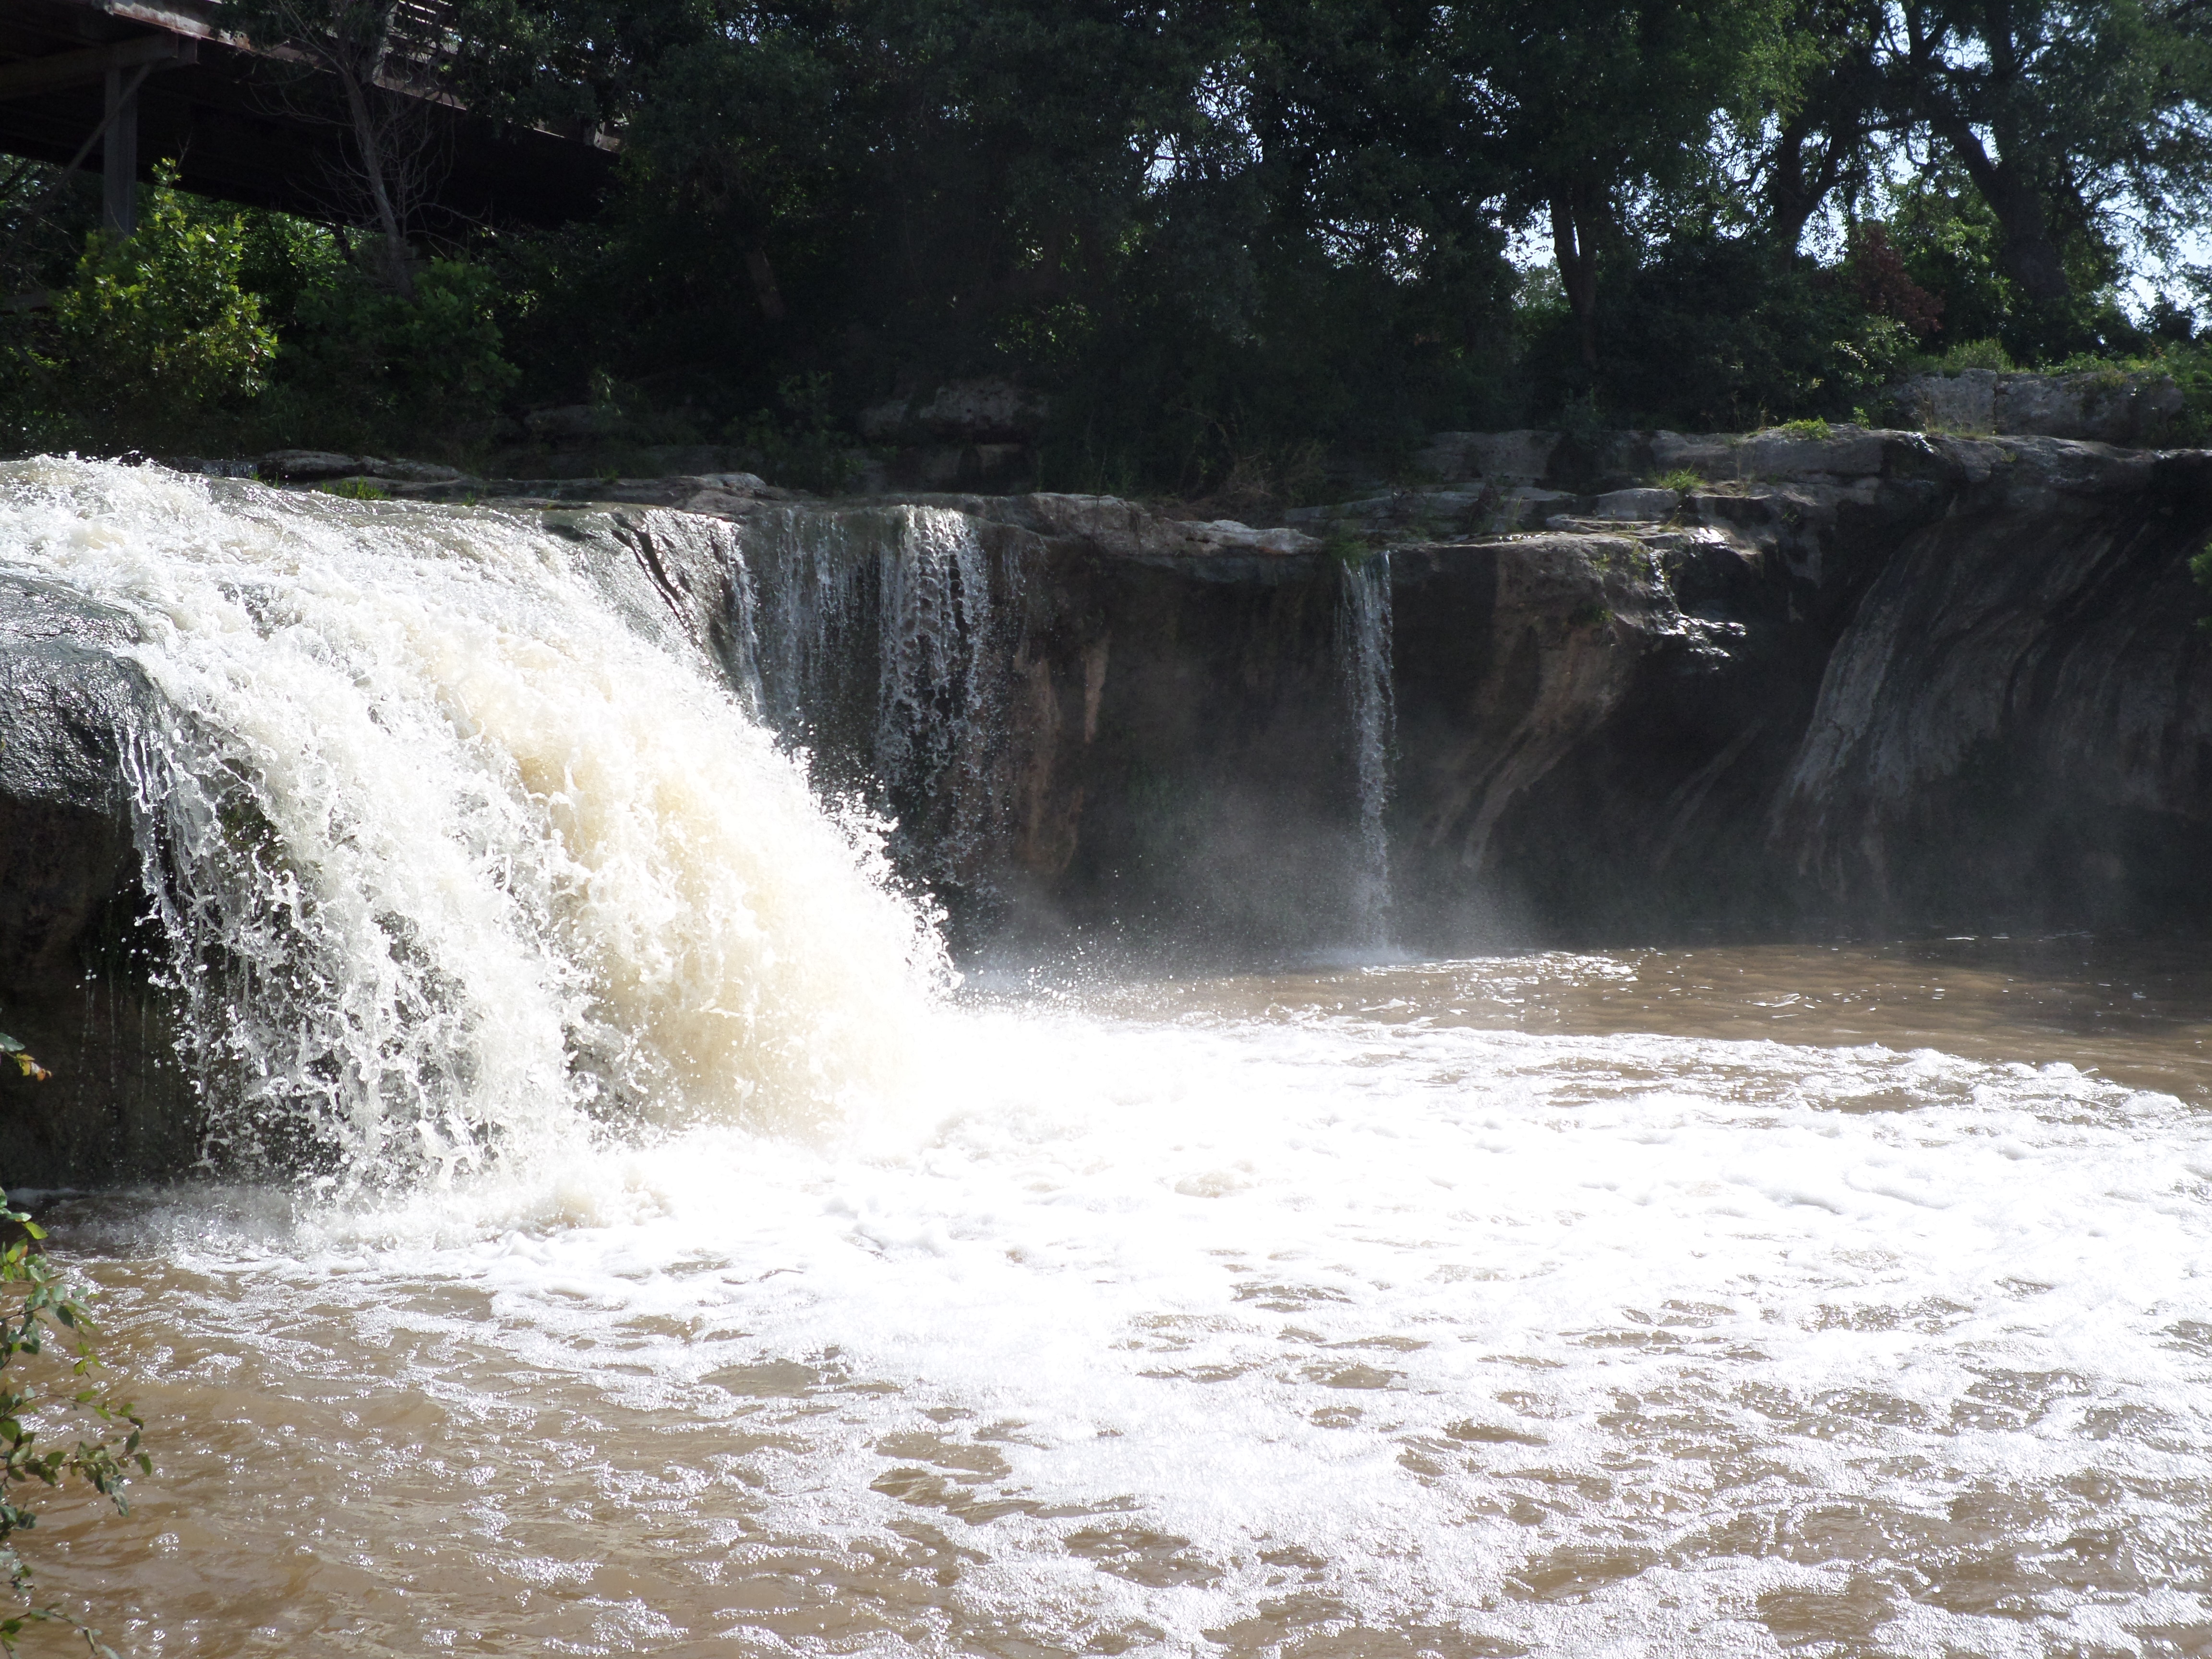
(619,1231)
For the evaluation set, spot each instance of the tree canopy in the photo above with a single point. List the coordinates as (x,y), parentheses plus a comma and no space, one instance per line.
(1215,232)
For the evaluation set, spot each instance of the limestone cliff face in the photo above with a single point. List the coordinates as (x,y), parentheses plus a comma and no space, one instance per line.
(1874,682)
(1881,681)
(2017,723)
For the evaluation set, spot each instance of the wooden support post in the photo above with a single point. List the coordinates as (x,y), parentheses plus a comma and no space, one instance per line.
(118,201)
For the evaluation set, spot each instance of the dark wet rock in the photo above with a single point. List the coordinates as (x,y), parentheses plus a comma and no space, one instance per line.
(306,465)
(2018,722)
(1876,682)
(74,958)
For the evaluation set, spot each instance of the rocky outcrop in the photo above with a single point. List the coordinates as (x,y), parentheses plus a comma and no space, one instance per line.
(75,968)
(1862,680)
(2105,405)
(2017,724)
(1873,682)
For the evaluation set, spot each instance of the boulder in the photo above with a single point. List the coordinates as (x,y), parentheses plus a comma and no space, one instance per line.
(573,422)
(75,962)
(1499,457)
(983,411)
(2104,405)
(1648,506)
(307,466)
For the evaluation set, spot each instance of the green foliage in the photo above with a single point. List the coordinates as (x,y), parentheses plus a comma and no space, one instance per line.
(1682,481)
(157,336)
(1347,548)
(1715,334)
(1811,429)
(363,366)
(356,490)
(22,1059)
(804,444)
(51,1372)
(2190,366)
(1976,354)
(1214,236)
(2200,566)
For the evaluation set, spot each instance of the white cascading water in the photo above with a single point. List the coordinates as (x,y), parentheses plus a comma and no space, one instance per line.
(1363,655)
(944,621)
(457,857)
(808,609)
(944,647)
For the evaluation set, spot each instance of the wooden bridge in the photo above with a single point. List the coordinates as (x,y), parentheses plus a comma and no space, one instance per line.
(133,82)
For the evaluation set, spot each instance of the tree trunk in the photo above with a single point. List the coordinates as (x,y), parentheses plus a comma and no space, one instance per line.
(367,139)
(1574,245)
(1795,191)
(764,287)
(2029,255)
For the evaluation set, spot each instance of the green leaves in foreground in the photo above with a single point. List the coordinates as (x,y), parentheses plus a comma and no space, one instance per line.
(16,1052)
(44,1319)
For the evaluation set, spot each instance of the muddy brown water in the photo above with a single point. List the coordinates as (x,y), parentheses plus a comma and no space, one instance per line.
(1766,1299)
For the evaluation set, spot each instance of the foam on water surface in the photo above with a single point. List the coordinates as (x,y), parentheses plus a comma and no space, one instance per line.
(1240,1334)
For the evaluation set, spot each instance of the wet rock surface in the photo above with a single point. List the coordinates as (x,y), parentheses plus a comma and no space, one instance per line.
(74,968)
(1871,682)
(1863,681)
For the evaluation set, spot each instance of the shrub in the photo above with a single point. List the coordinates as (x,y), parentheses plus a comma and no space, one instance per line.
(1976,354)
(155,337)
(363,367)
(53,1312)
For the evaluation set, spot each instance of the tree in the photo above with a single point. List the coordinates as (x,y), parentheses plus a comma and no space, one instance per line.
(386,58)
(1603,100)
(2088,119)
(1817,128)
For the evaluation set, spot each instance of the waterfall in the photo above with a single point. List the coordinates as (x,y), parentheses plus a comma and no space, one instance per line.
(1363,650)
(910,592)
(462,845)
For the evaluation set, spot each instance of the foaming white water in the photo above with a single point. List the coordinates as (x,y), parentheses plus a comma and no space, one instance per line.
(1165,1337)
(461,846)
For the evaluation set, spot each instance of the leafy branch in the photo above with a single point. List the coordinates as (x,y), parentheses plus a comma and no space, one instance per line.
(53,1319)
(24,1062)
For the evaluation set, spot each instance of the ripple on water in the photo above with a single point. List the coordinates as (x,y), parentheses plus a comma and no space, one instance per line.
(1315,1333)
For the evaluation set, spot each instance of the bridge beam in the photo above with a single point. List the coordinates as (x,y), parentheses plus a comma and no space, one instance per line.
(69,68)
